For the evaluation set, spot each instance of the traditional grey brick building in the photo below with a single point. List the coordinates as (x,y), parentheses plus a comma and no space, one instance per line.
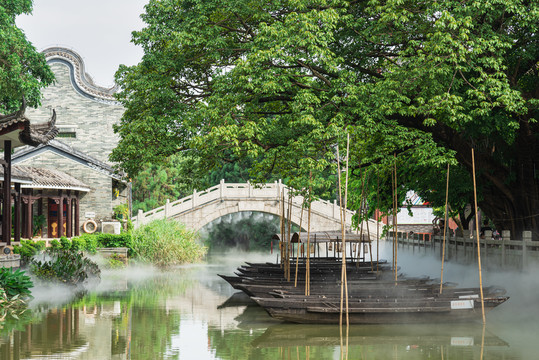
(85,114)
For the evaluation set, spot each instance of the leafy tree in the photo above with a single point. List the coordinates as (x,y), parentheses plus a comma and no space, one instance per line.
(23,70)
(283,82)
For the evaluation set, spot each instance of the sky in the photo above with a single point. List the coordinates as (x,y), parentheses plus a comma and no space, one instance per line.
(98,30)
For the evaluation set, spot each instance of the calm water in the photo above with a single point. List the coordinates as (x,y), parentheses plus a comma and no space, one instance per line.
(184,314)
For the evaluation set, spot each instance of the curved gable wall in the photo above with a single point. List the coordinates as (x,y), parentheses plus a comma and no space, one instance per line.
(81,106)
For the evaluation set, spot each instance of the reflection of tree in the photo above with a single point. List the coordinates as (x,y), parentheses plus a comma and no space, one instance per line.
(114,323)
(58,332)
(236,344)
(151,331)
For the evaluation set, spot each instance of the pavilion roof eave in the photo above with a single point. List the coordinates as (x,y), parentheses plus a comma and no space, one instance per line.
(14,179)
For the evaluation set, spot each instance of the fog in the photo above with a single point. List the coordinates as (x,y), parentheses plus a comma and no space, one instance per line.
(515,321)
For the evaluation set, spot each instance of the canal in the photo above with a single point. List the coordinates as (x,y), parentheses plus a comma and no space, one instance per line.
(189,313)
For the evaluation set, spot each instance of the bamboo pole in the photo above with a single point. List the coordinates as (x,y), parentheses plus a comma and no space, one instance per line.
(299,243)
(308,264)
(344,235)
(344,287)
(281,208)
(289,238)
(340,215)
(361,213)
(377,220)
(393,203)
(477,236)
(395,223)
(445,229)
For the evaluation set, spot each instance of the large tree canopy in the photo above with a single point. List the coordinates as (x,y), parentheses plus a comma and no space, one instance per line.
(285,81)
(23,70)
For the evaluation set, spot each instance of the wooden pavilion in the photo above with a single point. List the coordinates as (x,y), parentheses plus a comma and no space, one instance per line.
(16,130)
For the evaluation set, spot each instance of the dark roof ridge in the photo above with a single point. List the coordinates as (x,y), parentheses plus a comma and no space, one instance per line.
(88,160)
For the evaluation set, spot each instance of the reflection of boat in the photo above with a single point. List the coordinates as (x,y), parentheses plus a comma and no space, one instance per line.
(254,317)
(237,299)
(292,335)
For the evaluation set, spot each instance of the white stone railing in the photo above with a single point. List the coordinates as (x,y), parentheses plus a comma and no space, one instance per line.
(224,191)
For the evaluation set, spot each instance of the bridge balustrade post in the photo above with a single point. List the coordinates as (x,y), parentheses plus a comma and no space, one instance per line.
(250,191)
(139,218)
(222,188)
(278,189)
(195,198)
(526,238)
(335,212)
(167,209)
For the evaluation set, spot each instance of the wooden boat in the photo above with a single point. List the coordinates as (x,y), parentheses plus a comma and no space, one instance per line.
(373,297)
(374,288)
(384,311)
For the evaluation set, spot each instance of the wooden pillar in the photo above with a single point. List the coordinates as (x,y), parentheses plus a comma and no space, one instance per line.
(77,226)
(6,208)
(17,234)
(69,224)
(28,228)
(61,215)
(23,217)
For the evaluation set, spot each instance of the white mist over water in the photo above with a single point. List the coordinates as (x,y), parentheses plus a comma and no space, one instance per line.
(515,321)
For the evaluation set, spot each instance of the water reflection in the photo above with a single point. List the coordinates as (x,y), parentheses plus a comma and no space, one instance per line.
(190,313)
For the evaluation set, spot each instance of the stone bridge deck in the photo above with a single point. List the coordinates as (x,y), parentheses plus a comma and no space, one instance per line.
(201,208)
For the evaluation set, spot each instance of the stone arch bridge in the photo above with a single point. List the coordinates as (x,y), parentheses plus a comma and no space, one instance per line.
(201,208)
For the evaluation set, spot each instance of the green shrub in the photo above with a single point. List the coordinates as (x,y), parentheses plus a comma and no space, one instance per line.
(65,266)
(26,250)
(40,245)
(15,282)
(90,244)
(100,240)
(65,243)
(166,242)
(78,244)
(114,240)
(55,245)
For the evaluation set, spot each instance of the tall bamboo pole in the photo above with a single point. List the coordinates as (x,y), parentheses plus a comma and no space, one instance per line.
(477,236)
(299,243)
(393,203)
(281,208)
(395,223)
(377,220)
(344,232)
(308,263)
(445,229)
(289,237)
(340,215)
(342,211)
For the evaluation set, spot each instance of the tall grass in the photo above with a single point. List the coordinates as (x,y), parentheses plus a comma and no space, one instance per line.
(165,243)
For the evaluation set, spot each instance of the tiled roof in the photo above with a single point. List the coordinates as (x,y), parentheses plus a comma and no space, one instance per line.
(17,176)
(50,179)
